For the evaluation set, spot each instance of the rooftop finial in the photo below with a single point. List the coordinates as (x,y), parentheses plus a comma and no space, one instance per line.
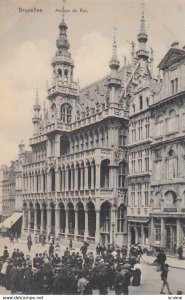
(63,10)
(142,26)
(114,63)
(114,48)
(37,97)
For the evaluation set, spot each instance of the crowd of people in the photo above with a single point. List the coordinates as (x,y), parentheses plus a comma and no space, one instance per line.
(73,273)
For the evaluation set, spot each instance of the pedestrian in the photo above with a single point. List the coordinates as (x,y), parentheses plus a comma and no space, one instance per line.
(5,253)
(29,244)
(13,279)
(180,251)
(83,249)
(174,248)
(51,249)
(136,281)
(164,277)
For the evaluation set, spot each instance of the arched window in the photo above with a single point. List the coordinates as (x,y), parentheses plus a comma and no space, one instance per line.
(170,199)
(66,111)
(140,102)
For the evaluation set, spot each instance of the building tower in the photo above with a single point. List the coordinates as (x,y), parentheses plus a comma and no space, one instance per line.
(64,91)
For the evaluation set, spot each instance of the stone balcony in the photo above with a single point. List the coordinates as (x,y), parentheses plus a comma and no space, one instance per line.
(72,90)
(93,154)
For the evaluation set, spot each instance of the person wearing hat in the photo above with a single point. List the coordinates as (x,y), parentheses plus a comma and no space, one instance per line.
(164,277)
(5,253)
(13,279)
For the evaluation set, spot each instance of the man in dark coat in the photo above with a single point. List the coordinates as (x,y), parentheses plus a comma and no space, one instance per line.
(83,249)
(51,249)
(13,279)
(180,252)
(27,279)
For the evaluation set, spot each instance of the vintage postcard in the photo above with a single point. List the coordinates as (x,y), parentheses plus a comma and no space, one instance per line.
(92,156)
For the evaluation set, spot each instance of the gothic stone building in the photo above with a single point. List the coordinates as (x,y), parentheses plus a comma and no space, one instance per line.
(76,185)
(108,160)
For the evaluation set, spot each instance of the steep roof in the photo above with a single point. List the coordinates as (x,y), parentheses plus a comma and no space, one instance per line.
(173,55)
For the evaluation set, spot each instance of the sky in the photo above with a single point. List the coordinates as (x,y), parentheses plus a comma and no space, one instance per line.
(28,43)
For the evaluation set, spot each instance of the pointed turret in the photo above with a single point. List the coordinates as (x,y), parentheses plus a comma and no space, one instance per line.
(142,39)
(114,62)
(114,83)
(36,119)
(36,106)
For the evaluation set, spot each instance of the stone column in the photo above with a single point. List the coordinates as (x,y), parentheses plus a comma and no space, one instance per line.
(29,220)
(57,181)
(136,233)
(66,180)
(42,220)
(142,234)
(97,185)
(81,178)
(163,237)
(23,221)
(48,229)
(86,178)
(97,233)
(92,177)
(67,223)
(152,232)
(76,179)
(72,179)
(76,223)
(35,220)
(179,233)
(57,221)
(41,183)
(86,231)
(112,225)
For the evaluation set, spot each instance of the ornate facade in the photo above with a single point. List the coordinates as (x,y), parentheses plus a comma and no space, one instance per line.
(108,160)
(76,185)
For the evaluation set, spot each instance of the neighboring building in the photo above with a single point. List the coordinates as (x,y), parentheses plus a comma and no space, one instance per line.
(168,153)
(11,182)
(140,91)
(8,191)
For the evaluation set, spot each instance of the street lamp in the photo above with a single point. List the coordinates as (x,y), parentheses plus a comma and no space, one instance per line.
(113,225)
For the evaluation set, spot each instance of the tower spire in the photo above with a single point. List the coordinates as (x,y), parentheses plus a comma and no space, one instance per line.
(142,38)
(114,63)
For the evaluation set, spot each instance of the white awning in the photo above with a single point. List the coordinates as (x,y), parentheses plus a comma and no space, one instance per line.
(10,221)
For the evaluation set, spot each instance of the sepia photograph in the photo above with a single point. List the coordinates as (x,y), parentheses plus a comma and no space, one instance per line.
(92,156)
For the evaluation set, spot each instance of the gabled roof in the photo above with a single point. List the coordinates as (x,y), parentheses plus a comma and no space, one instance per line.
(172,56)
